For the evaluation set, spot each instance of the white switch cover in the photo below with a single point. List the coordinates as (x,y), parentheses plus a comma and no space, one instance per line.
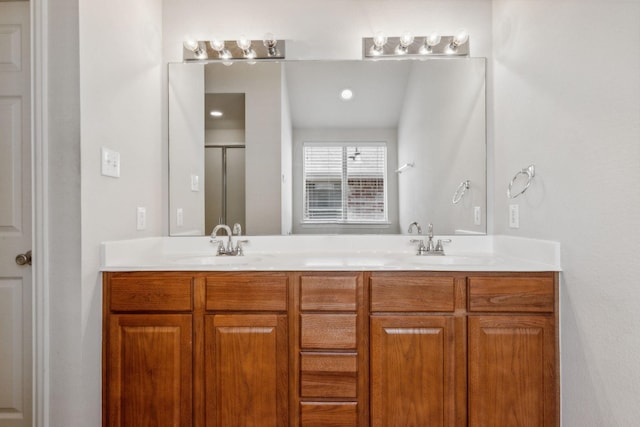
(514,216)
(195,183)
(110,164)
(477,215)
(141,218)
(179,217)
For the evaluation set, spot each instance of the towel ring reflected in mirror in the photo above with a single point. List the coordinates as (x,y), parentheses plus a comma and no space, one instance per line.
(529,172)
(461,191)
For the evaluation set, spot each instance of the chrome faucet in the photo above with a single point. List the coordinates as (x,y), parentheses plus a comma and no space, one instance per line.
(221,248)
(428,248)
(229,249)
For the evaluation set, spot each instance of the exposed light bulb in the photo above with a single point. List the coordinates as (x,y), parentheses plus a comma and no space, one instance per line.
(405,41)
(269,40)
(379,39)
(244,43)
(219,46)
(270,43)
(191,44)
(216,44)
(460,37)
(430,41)
(215,113)
(433,39)
(194,46)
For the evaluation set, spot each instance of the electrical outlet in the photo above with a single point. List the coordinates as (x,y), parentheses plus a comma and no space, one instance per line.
(195,183)
(110,163)
(514,216)
(477,215)
(179,217)
(141,218)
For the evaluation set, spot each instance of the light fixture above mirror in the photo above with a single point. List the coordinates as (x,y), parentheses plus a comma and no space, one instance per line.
(379,46)
(227,51)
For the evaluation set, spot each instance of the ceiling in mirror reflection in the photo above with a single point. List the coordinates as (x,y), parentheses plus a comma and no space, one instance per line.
(378,88)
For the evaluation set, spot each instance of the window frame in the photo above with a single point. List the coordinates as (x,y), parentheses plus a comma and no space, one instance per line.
(344,221)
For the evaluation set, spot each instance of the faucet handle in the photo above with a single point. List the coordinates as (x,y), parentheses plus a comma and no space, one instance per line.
(239,244)
(439,248)
(221,249)
(422,249)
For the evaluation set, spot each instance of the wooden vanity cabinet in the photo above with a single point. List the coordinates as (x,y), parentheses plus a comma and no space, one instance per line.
(513,357)
(417,350)
(330,349)
(147,351)
(246,356)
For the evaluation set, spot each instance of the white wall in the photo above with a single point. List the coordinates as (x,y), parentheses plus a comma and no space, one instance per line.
(120,98)
(186,149)
(263,137)
(442,132)
(567,99)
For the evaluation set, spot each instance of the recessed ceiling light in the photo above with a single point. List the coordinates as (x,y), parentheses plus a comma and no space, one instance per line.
(346,94)
(215,113)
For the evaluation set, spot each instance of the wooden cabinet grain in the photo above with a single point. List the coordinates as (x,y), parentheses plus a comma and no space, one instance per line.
(147,356)
(344,349)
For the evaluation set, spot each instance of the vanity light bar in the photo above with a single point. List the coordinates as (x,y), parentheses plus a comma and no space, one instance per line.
(420,47)
(232,50)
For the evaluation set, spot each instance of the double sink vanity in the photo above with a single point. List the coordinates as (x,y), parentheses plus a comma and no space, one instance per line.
(331,331)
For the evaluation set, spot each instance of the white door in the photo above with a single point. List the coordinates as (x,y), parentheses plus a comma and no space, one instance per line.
(15,217)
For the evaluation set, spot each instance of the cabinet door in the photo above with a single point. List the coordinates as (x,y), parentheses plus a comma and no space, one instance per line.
(246,370)
(512,371)
(412,371)
(149,370)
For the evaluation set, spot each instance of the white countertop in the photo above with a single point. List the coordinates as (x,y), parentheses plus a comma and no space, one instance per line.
(332,253)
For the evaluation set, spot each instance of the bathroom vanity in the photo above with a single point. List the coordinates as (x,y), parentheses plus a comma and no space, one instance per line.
(196,344)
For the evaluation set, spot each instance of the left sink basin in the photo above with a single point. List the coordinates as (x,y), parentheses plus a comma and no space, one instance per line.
(215,260)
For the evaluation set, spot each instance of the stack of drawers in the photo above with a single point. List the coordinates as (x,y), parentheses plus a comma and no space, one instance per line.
(329,368)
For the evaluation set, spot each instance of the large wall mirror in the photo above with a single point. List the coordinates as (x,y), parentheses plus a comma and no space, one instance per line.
(302,147)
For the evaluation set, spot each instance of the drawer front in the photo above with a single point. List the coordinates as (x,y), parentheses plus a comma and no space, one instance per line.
(328,331)
(406,294)
(328,414)
(511,294)
(148,293)
(328,293)
(246,293)
(328,375)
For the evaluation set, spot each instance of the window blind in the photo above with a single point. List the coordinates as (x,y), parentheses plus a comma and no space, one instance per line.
(345,183)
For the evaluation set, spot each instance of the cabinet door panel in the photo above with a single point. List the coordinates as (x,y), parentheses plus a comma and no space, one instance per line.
(149,370)
(412,371)
(246,367)
(512,371)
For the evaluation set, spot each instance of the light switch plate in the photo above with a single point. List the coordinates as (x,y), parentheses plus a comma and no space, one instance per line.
(195,183)
(141,218)
(514,216)
(179,217)
(477,215)
(110,163)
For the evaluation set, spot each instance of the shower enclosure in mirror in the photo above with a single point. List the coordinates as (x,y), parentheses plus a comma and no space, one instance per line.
(396,151)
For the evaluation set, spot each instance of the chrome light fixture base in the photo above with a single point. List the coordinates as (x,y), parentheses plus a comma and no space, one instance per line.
(258,50)
(418,49)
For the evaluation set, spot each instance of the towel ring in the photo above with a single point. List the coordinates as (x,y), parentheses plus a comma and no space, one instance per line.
(461,191)
(530,172)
